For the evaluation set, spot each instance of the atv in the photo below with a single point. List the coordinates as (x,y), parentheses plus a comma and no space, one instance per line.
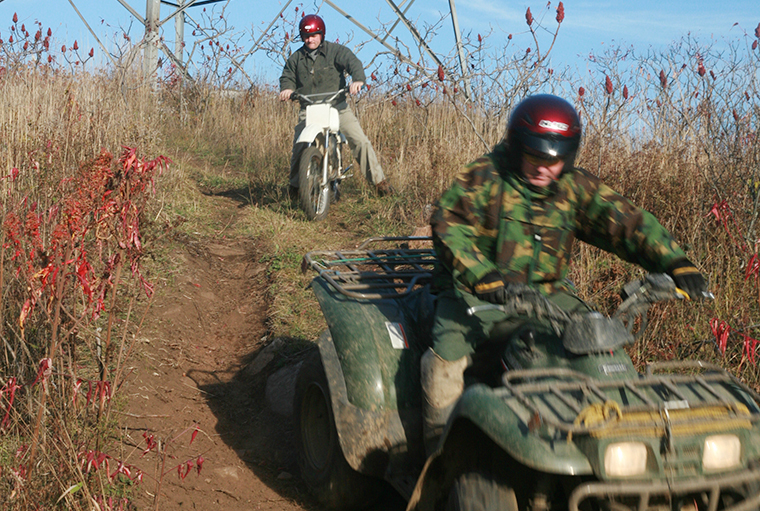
(554,415)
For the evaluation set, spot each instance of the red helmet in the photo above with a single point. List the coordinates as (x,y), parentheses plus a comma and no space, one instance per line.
(546,124)
(311,24)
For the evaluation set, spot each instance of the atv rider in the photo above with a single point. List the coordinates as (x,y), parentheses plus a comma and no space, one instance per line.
(319,67)
(511,218)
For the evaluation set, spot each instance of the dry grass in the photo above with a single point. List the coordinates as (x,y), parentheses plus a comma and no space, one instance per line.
(679,164)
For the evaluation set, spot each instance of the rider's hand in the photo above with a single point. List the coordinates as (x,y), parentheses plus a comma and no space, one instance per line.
(285,94)
(355,87)
(491,288)
(689,279)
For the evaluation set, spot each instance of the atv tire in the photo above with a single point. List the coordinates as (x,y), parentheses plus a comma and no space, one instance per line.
(480,491)
(324,469)
(314,200)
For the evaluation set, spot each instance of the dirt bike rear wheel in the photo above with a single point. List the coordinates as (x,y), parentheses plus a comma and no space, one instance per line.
(324,469)
(315,200)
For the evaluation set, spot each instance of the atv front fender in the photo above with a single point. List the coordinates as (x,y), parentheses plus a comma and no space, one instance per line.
(505,421)
(486,425)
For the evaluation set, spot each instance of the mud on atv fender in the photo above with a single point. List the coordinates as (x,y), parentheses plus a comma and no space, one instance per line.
(484,424)
(371,354)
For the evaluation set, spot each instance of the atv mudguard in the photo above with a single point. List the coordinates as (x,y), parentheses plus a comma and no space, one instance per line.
(371,357)
(504,422)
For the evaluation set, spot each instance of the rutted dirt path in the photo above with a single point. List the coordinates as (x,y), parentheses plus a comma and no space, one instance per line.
(196,363)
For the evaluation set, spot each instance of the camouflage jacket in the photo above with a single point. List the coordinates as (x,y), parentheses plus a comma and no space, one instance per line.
(326,73)
(490,219)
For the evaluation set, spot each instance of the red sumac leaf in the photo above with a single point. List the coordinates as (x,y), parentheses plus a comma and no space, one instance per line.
(663,79)
(15,18)
(440,73)
(625,92)
(608,85)
(581,91)
(560,13)
(529,17)
(76,46)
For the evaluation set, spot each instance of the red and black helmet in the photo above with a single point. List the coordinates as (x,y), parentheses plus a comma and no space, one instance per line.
(311,24)
(546,124)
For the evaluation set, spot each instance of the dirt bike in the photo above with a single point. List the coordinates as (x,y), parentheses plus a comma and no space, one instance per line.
(320,165)
(554,415)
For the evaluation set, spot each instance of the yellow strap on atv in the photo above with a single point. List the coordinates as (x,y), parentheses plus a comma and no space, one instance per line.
(684,422)
(596,413)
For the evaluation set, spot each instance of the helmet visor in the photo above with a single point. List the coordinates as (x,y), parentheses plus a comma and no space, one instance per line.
(556,146)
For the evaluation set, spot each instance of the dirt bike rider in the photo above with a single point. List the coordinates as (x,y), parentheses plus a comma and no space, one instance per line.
(510,218)
(320,66)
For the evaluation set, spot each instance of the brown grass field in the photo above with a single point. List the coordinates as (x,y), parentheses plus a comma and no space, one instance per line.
(681,143)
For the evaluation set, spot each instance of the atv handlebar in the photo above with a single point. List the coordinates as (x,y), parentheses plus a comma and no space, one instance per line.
(637,295)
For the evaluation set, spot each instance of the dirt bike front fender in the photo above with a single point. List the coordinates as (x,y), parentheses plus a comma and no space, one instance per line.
(309,134)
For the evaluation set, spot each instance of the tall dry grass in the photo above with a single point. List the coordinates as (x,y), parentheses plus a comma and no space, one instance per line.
(59,360)
(683,147)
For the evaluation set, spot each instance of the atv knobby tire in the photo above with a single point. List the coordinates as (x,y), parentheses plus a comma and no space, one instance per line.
(480,491)
(323,466)
(314,202)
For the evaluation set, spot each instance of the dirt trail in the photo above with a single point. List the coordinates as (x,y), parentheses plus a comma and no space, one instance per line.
(204,356)
(194,366)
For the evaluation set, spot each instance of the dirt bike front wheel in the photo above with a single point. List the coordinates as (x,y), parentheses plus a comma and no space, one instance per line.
(315,199)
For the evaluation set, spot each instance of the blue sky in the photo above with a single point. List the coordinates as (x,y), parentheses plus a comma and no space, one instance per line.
(589,26)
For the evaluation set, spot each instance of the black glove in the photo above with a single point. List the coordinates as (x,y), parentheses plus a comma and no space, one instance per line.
(688,279)
(491,288)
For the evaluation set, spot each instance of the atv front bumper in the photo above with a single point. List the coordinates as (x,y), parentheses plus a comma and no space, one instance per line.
(663,495)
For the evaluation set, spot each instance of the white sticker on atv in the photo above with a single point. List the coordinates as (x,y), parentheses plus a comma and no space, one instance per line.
(397,335)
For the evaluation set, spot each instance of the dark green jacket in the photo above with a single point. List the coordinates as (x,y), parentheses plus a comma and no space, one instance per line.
(326,73)
(491,219)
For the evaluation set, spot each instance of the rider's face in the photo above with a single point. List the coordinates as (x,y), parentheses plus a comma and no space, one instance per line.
(313,41)
(541,169)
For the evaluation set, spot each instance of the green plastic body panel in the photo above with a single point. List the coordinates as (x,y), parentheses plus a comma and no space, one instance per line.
(378,375)
(497,417)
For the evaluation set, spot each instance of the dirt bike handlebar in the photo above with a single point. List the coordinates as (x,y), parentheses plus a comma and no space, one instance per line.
(313,98)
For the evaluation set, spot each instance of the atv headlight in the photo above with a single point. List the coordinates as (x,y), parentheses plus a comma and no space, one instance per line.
(721,452)
(625,459)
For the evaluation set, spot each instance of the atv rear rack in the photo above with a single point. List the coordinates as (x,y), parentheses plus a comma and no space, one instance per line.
(681,399)
(372,272)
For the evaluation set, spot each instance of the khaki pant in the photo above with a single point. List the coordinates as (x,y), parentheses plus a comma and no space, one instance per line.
(357,141)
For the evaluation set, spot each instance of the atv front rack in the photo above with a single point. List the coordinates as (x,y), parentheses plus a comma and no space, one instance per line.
(373,272)
(670,397)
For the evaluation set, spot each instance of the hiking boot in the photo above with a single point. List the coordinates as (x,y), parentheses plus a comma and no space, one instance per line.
(384,188)
(293,193)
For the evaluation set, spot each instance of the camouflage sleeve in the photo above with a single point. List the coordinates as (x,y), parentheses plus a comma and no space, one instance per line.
(613,223)
(465,223)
